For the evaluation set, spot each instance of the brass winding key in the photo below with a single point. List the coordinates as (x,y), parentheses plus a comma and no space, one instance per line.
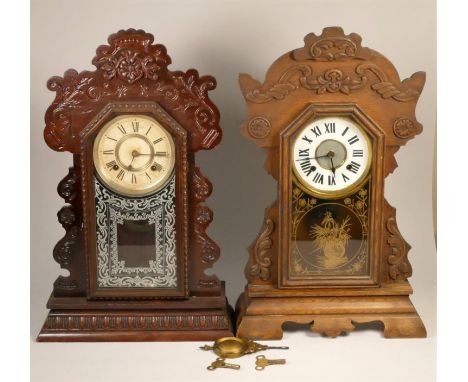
(255,347)
(263,362)
(220,363)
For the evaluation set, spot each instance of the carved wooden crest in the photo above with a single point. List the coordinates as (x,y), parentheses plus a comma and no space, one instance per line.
(131,67)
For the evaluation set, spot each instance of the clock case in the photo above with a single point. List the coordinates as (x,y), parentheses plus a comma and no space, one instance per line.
(132,78)
(332,75)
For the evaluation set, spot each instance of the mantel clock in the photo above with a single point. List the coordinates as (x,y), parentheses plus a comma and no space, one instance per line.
(330,117)
(135,244)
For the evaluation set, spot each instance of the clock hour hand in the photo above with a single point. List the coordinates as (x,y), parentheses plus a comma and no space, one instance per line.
(333,166)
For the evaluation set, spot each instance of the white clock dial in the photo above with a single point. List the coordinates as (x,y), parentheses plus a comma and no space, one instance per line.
(134,155)
(331,156)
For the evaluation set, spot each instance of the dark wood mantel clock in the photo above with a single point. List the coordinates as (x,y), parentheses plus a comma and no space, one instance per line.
(135,219)
(330,117)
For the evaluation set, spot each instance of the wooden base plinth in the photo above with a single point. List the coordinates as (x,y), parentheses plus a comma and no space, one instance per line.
(80,320)
(263,317)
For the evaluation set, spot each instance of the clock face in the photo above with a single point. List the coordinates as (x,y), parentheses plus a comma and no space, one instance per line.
(134,155)
(331,156)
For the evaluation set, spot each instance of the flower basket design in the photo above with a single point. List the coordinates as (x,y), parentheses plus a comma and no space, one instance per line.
(331,238)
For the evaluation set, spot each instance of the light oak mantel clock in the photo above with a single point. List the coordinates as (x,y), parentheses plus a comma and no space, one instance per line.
(330,116)
(135,245)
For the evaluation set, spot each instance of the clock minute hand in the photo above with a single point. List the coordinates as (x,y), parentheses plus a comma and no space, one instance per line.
(321,156)
(156,154)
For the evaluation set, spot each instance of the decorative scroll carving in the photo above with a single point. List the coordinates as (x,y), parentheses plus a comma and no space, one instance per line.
(110,321)
(261,256)
(67,249)
(68,186)
(406,128)
(335,80)
(332,45)
(203,247)
(259,127)
(130,58)
(201,186)
(399,267)
(63,251)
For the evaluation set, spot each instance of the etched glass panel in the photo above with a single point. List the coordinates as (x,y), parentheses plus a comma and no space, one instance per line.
(136,244)
(329,237)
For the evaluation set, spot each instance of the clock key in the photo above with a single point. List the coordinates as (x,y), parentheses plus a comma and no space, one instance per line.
(219,363)
(263,362)
(255,347)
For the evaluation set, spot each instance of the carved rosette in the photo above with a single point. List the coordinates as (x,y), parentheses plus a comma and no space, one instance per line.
(261,262)
(399,267)
(131,59)
(405,128)
(259,127)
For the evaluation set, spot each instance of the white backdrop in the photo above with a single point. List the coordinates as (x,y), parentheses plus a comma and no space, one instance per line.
(224,38)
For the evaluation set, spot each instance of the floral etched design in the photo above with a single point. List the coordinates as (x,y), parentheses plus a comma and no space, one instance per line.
(331,237)
(158,209)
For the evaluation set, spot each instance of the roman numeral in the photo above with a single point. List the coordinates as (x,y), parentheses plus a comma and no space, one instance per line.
(304,153)
(330,127)
(306,139)
(157,141)
(345,178)
(149,130)
(160,154)
(344,131)
(306,167)
(318,178)
(331,180)
(108,152)
(134,179)
(112,139)
(121,175)
(353,139)
(122,129)
(358,153)
(109,165)
(147,175)
(316,131)
(136,126)
(353,167)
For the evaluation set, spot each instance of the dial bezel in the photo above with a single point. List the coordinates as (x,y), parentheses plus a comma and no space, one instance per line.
(123,189)
(334,194)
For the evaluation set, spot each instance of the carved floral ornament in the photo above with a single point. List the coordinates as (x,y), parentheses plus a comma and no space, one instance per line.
(259,127)
(130,67)
(333,81)
(332,45)
(406,128)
